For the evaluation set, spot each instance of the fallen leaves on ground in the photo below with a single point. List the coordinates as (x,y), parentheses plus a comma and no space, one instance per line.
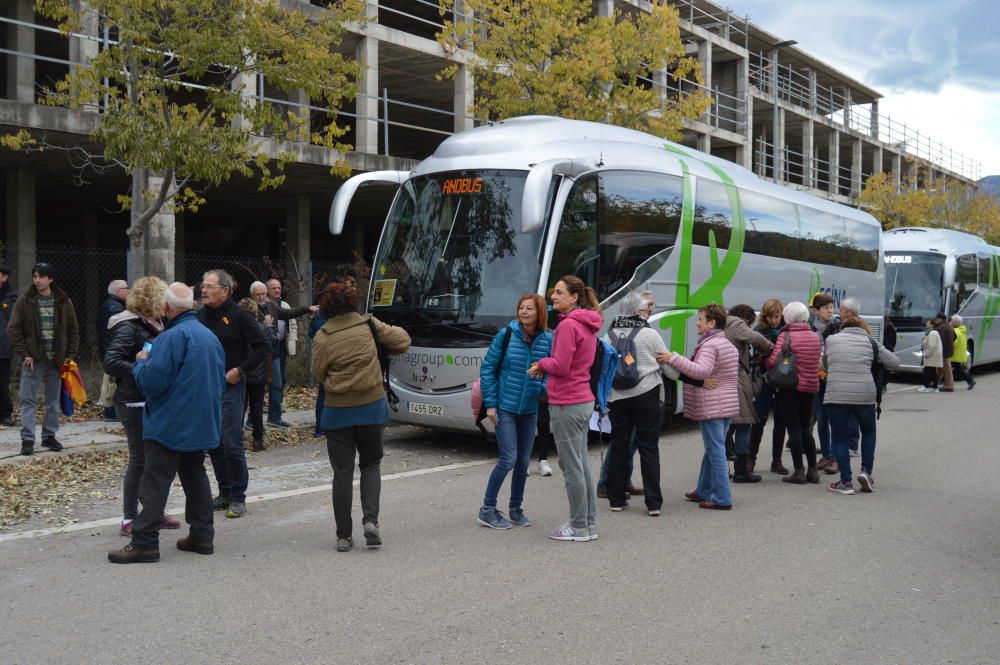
(50,487)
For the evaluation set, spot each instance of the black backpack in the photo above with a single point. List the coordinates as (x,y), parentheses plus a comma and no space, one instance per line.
(784,375)
(878,374)
(627,371)
(383,361)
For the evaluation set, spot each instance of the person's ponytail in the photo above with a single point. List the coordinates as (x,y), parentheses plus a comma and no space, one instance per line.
(586,297)
(592,302)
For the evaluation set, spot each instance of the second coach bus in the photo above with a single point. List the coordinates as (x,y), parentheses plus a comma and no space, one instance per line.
(940,271)
(509,208)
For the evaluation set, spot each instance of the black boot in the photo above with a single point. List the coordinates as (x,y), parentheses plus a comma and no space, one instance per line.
(742,475)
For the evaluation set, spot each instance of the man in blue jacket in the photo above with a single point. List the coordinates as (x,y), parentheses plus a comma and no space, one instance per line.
(182,377)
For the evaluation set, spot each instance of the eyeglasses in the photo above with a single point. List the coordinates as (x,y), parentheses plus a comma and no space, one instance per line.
(211,286)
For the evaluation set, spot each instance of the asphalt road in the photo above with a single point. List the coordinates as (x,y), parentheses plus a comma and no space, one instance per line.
(909,575)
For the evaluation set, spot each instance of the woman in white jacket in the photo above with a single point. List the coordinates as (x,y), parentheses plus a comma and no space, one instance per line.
(933,358)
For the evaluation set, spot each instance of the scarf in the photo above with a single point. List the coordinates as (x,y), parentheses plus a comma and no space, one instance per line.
(153,324)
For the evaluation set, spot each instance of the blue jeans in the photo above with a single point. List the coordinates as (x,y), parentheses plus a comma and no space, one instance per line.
(824,427)
(843,418)
(602,482)
(279,364)
(515,438)
(229,460)
(741,437)
(713,481)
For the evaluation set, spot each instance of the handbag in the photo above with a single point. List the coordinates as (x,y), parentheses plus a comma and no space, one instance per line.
(784,375)
(109,386)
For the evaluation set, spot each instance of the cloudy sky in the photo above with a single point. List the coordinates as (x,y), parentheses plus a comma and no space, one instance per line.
(936,62)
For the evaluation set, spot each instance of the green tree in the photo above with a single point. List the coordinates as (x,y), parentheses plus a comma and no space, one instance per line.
(554,57)
(178,87)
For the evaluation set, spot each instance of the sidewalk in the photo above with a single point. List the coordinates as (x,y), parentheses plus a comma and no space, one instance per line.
(97,435)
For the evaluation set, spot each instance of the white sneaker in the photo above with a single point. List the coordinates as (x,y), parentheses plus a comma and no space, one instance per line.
(544,469)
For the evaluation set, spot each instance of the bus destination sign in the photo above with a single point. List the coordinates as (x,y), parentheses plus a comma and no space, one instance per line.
(462,186)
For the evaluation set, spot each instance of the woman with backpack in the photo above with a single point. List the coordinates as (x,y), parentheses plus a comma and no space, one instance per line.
(798,341)
(511,398)
(636,404)
(739,333)
(714,409)
(571,400)
(769,325)
(851,395)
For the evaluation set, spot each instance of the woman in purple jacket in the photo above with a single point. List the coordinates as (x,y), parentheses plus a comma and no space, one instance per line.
(571,400)
(714,357)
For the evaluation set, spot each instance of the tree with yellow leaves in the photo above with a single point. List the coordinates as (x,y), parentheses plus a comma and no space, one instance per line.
(554,57)
(950,205)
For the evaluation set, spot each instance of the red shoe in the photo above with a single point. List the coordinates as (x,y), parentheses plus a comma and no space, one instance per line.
(712,505)
(169,522)
(693,496)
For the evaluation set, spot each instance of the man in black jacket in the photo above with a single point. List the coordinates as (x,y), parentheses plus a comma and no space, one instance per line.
(8,296)
(113,304)
(246,347)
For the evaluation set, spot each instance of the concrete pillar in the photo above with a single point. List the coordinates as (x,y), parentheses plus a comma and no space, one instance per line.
(660,83)
(877,160)
(465,92)
(705,59)
(848,105)
(21,223)
(856,163)
(705,143)
(834,185)
(746,150)
(83,50)
(897,171)
(299,97)
(21,70)
(180,246)
(366,127)
(298,238)
(160,238)
(605,7)
(246,84)
(808,153)
(873,122)
(812,90)
(778,148)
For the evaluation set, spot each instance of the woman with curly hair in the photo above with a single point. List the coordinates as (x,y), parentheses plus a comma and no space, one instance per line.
(345,360)
(130,330)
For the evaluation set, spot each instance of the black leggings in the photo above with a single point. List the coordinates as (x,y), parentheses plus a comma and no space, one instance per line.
(797,407)
(255,402)
(544,441)
(931,377)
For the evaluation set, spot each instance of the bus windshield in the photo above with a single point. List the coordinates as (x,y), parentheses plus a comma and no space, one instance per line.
(453,260)
(914,289)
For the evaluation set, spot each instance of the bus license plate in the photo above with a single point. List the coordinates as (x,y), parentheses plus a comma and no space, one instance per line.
(425,409)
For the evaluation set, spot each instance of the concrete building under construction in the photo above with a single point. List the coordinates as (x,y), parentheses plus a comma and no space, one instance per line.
(776,109)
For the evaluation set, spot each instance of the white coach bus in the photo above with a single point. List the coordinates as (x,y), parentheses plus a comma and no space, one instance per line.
(932,271)
(510,208)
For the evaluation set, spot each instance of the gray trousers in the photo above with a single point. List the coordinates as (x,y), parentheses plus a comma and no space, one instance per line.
(131,419)
(569,427)
(31,380)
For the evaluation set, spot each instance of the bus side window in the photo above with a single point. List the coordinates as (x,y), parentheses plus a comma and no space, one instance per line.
(576,247)
(772,226)
(712,212)
(639,215)
(984,270)
(822,237)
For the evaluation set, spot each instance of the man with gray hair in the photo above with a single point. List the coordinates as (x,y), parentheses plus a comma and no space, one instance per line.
(849,307)
(246,347)
(182,379)
(113,304)
(287,332)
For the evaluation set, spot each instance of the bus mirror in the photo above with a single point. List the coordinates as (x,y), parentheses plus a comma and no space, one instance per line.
(345,194)
(534,203)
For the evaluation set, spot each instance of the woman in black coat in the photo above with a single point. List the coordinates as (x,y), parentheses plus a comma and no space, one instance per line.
(259,377)
(130,330)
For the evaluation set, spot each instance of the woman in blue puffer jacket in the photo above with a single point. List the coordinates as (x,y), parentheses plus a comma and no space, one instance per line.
(511,400)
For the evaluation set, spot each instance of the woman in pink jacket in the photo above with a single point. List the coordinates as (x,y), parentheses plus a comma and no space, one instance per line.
(571,401)
(714,357)
(797,405)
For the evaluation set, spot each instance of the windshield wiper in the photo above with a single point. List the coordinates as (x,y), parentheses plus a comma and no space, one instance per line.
(465,330)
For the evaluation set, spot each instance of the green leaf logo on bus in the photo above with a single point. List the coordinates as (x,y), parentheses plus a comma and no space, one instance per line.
(722,270)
